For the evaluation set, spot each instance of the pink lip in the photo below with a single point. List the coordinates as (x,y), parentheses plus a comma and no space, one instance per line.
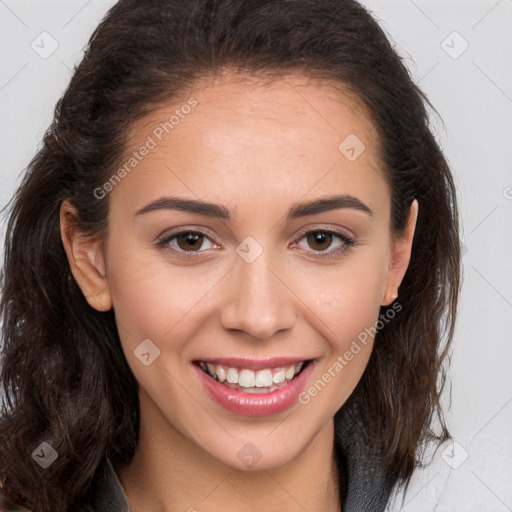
(255,364)
(255,404)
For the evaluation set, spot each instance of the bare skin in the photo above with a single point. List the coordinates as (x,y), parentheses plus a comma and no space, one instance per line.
(256,149)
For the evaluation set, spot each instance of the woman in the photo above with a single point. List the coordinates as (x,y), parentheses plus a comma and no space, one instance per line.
(231,272)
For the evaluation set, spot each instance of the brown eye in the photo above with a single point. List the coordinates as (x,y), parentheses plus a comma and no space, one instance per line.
(324,243)
(185,242)
(319,240)
(190,241)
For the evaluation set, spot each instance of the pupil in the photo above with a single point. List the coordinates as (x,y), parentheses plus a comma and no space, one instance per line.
(318,238)
(189,241)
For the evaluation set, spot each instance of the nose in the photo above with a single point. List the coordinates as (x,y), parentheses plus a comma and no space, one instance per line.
(260,301)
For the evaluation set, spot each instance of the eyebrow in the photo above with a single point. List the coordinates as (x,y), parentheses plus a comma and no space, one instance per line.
(324,204)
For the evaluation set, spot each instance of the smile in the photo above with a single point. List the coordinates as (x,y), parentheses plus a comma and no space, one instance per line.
(260,381)
(266,387)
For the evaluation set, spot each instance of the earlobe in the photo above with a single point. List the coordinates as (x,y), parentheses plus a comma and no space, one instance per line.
(86,259)
(390,294)
(400,258)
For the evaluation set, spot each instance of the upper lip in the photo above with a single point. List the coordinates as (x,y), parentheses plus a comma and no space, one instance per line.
(253,364)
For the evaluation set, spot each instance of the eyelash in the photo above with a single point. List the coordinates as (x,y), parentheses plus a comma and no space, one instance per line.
(348,243)
(164,240)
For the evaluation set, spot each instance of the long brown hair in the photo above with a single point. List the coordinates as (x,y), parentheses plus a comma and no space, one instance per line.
(64,376)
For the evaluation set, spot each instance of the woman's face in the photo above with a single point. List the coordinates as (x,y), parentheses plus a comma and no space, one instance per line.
(270,277)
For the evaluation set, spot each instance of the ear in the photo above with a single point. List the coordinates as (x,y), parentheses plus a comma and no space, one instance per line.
(400,257)
(86,259)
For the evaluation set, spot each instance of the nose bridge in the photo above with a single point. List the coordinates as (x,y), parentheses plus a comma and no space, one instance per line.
(259,303)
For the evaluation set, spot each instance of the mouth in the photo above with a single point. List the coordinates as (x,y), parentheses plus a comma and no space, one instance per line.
(252,387)
(250,378)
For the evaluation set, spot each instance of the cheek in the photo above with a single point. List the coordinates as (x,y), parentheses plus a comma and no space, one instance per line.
(346,298)
(153,301)
(344,308)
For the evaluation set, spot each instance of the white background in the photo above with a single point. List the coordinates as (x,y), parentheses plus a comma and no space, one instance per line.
(472,91)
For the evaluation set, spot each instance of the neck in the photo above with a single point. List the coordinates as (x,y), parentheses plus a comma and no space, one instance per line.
(170,473)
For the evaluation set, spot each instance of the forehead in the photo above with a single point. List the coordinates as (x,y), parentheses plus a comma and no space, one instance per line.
(232,101)
(274,139)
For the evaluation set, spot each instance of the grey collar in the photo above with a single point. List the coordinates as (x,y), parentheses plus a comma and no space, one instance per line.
(368,485)
(109,495)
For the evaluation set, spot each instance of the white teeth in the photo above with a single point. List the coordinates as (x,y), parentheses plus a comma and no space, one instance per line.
(279,377)
(232,376)
(246,379)
(290,372)
(263,378)
(263,381)
(220,372)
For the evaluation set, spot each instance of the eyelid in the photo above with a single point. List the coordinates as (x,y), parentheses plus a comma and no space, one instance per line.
(335,231)
(203,230)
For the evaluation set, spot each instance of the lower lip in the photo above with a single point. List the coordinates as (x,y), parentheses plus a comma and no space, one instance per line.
(255,404)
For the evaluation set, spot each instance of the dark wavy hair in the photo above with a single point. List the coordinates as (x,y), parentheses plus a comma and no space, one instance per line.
(64,376)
